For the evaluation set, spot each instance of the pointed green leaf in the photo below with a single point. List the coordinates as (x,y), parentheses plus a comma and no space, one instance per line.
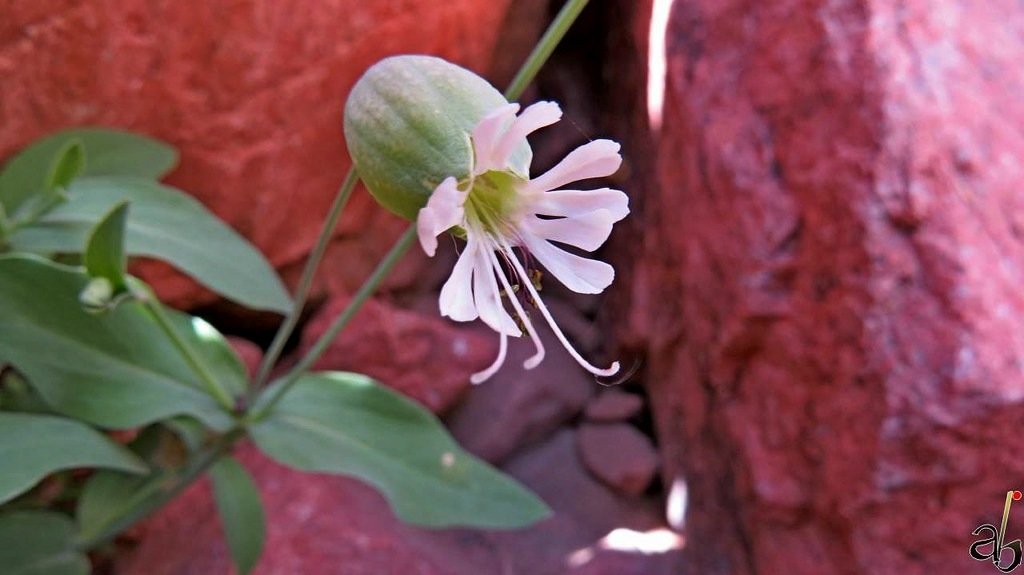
(106,496)
(110,153)
(36,445)
(166,224)
(116,370)
(221,359)
(67,165)
(104,251)
(39,543)
(241,512)
(345,423)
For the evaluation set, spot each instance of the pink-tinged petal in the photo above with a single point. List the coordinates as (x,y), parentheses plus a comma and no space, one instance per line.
(587,231)
(456,299)
(611,370)
(443,211)
(579,274)
(570,203)
(532,119)
(487,296)
(591,160)
(486,136)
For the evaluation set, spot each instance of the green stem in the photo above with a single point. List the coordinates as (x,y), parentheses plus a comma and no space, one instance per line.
(536,60)
(156,309)
(158,491)
(5,228)
(306,282)
(360,297)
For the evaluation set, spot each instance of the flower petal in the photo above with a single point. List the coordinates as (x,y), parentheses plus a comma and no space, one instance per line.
(443,211)
(456,299)
(532,119)
(488,297)
(579,274)
(570,203)
(587,231)
(591,160)
(486,136)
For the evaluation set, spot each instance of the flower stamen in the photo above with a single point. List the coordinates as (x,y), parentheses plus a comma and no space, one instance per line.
(534,360)
(611,370)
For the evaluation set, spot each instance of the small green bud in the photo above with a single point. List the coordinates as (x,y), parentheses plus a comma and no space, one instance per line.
(97,294)
(408,122)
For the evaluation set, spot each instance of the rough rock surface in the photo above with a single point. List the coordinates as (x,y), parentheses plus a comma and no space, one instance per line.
(517,406)
(425,357)
(831,280)
(611,406)
(618,455)
(336,526)
(252,93)
(316,524)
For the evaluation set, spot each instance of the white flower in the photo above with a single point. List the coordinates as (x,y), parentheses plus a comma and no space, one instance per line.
(499,209)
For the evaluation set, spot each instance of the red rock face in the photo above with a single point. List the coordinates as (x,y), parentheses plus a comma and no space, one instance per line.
(423,356)
(251,92)
(831,281)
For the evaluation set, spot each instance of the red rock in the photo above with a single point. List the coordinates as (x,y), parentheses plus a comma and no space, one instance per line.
(516,406)
(829,284)
(613,406)
(251,92)
(316,523)
(586,511)
(423,356)
(619,455)
(249,352)
(328,525)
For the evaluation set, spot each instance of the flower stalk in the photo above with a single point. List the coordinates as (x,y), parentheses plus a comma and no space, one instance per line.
(191,356)
(360,297)
(547,44)
(306,281)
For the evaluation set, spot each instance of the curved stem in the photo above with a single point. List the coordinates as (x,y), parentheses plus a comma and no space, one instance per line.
(306,282)
(191,356)
(540,54)
(360,297)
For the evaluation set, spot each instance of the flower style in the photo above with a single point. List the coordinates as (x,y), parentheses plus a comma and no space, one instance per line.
(498,209)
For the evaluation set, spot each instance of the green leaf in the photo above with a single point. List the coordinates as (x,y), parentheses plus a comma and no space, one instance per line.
(345,423)
(110,153)
(221,359)
(104,251)
(105,497)
(67,165)
(36,445)
(407,126)
(17,395)
(39,543)
(241,512)
(166,224)
(117,370)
